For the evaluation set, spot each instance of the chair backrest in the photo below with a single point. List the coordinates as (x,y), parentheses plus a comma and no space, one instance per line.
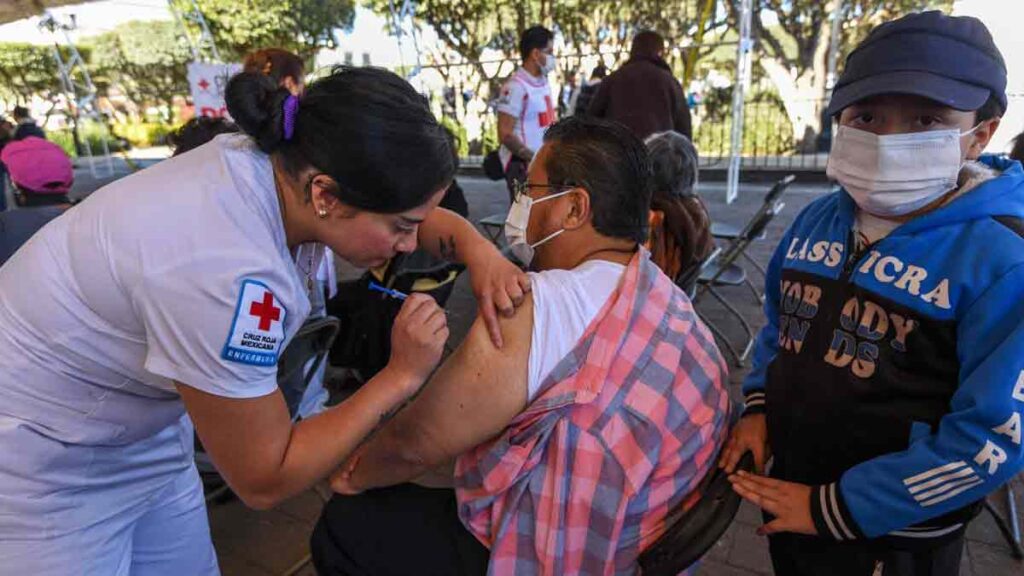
(687,279)
(303,356)
(778,188)
(751,231)
(697,529)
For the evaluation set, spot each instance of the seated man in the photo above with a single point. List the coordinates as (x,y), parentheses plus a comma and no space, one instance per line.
(602,411)
(42,176)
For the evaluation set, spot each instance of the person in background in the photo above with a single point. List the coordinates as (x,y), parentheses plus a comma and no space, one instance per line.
(198,131)
(643,94)
(577,441)
(284,67)
(42,176)
(26,125)
(525,107)
(582,97)
(1017,152)
(680,225)
(6,135)
(888,382)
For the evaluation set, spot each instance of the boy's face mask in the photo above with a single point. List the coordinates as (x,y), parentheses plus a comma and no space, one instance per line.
(896,174)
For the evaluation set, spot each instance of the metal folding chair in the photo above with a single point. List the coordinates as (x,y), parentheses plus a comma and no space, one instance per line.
(724,271)
(722,231)
(306,351)
(1008,525)
(493,226)
(691,533)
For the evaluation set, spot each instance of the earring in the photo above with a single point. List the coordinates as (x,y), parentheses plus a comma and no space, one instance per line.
(322,213)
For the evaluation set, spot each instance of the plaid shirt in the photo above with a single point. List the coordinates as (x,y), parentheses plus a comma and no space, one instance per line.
(624,429)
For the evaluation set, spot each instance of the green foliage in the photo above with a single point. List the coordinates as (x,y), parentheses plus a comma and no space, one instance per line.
(27,70)
(143,134)
(88,132)
(302,26)
(146,60)
(460,134)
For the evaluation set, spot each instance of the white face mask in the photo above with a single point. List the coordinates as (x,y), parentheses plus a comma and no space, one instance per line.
(549,64)
(895,174)
(515,227)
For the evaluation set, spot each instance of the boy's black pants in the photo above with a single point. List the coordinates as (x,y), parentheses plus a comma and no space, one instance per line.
(799,555)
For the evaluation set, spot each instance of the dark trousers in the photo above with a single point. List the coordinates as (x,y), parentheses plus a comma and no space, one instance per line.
(400,530)
(515,171)
(798,555)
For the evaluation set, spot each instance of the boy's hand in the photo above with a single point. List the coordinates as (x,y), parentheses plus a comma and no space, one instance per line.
(789,502)
(750,433)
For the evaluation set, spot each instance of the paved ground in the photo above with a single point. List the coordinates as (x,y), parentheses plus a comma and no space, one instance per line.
(270,543)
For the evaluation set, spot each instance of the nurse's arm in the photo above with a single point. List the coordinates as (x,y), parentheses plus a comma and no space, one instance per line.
(265,458)
(472,398)
(498,284)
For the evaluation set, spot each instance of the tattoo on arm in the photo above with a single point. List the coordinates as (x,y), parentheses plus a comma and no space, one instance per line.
(447,248)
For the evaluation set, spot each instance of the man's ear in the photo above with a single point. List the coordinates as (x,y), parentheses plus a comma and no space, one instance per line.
(981,137)
(579,209)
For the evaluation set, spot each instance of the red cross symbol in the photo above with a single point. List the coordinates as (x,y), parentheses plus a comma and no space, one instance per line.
(265,311)
(204,84)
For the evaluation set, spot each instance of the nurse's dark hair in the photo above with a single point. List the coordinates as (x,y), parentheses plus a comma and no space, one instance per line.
(366,128)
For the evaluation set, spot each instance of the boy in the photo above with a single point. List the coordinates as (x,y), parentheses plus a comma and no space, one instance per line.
(889,380)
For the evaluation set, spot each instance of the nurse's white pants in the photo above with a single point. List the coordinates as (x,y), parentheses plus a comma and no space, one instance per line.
(134,510)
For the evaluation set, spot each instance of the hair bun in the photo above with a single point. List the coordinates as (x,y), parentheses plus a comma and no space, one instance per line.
(256,103)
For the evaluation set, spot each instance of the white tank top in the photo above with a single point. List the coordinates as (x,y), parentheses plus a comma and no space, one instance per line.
(565,302)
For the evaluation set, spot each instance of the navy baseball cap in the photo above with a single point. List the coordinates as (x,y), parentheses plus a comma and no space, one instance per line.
(949,59)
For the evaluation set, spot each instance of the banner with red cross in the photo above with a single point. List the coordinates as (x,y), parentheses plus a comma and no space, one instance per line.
(257,331)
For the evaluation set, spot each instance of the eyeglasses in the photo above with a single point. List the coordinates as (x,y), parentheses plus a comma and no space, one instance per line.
(520,188)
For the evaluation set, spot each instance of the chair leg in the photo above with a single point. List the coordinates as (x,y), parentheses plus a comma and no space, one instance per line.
(749,346)
(721,338)
(1008,526)
(755,263)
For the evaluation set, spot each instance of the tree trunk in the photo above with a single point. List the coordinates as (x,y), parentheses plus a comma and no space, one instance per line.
(803,93)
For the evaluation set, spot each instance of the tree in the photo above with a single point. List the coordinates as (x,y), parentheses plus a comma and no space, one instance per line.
(27,70)
(146,60)
(793,53)
(469,28)
(302,26)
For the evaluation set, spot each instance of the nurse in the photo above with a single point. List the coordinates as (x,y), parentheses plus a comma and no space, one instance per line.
(175,290)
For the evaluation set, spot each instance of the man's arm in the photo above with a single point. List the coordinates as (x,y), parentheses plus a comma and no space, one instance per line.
(599,104)
(470,399)
(498,284)
(508,137)
(681,120)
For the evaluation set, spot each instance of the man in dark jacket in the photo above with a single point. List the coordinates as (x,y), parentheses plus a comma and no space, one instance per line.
(643,94)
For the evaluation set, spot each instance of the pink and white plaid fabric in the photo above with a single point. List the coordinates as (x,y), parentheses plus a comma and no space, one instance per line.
(624,429)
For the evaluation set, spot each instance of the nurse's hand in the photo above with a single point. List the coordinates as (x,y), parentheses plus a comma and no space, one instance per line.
(499,286)
(417,340)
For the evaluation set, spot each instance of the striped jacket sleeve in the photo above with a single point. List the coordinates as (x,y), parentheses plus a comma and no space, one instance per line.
(767,345)
(977,445)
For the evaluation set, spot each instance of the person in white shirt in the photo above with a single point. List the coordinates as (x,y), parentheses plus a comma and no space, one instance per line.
(174,291)
(525,106)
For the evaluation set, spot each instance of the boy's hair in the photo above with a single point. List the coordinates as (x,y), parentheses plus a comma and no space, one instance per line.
(989,110)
